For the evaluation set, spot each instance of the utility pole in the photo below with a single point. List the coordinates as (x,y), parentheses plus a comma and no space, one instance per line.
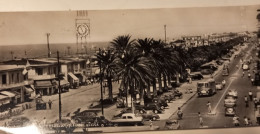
(58,58)
(12,53)
(48,45)
(101,84)
(165,33)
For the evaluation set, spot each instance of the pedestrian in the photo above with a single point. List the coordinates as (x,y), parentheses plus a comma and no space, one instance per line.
(249,75)
(224,83)
(151,123)
(250,94)
(200,119)
(236,121)
(209,107)
(243,73)
(255,102)
(179,113)
(44,122)
(246,101)
(252,81)
(246,121)
(50,103)
(237,66)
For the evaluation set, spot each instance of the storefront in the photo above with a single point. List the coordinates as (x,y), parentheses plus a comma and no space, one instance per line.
(4,102)
(45,87)
(73,80)
(29,90)
(64,84)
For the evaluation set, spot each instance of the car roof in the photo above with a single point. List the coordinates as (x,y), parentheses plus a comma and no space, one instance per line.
(126,114)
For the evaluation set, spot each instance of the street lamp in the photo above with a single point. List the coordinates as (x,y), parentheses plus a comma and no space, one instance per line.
(101,84)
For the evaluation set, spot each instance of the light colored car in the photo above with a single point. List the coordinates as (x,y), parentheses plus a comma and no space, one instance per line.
(219,86)
(232,92)
(128,119)
(230,111)
(245,67)
(230,101)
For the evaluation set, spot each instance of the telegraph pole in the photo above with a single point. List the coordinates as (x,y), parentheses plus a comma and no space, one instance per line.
(12,53)
(48,45)
(58,58)
(165,33)
(101,84)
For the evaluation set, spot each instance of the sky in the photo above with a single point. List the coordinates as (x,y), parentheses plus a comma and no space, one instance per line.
(19,28)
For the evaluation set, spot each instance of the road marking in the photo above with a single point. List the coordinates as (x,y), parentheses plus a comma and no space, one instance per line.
(214,110)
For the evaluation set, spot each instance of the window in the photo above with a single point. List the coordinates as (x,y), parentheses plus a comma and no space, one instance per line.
(129,117)
(4,79)
(12,78)
(39,71)
(124,117)
(54,70)
(18,80)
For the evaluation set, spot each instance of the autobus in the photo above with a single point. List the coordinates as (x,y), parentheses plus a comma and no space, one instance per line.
(206,88)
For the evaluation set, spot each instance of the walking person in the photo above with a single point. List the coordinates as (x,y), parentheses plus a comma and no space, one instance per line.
(249,75)
(246,101)
(209,107)
(252,81)
(50,103)
(243,73)
(250,94)
(179,113)
(200,119)
(255,102)
(246,121)
(236,121)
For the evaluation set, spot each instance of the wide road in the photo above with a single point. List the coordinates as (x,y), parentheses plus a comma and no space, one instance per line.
(233,81)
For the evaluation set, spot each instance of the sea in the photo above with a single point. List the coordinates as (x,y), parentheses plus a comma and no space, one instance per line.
(41,50)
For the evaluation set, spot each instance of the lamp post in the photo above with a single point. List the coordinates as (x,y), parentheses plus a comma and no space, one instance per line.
(59,85)
(101,84)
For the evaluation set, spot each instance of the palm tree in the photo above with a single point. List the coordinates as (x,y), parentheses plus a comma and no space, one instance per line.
(122,44)
(107,59)
(133,67)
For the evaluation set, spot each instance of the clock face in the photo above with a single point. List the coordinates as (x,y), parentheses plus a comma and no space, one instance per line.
(82,29)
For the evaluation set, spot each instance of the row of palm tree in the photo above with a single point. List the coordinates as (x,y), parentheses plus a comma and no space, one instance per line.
(143,63)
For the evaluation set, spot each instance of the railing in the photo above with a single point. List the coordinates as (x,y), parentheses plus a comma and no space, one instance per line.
(41,77)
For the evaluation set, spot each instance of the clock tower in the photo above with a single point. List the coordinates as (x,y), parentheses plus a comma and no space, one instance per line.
(82,26)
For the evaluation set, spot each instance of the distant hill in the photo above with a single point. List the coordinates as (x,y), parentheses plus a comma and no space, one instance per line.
(40,50)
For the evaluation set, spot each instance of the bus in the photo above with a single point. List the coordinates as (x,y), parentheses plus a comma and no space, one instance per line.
(206,88)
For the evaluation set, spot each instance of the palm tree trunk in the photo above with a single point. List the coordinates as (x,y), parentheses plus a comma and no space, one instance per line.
(131,85)
(160,82)
(164,81)
(110,87)
(141,94)
(148,89)
(169,81)
(177,78)
(126,87)
(154,88)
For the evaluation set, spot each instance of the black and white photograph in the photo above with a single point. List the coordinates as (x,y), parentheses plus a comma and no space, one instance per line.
(159,70)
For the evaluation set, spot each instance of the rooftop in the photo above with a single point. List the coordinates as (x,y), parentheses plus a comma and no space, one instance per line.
(11,67)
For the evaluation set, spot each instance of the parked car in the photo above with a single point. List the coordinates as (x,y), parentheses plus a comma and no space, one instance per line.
(128,119)
(230,101)
(196,76)
(168,97)
(206,71)
(172,124)
(219,86)
(84,116)
(155,107)
(232,92)
(230,111)
(161,101)
(19,122)
(64,124)
(149,115)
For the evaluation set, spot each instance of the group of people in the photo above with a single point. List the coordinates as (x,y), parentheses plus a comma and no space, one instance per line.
(180,115)
(251,98)
(247,121)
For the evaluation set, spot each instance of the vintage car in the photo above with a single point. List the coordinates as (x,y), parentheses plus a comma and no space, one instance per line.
(19,122)
(155,107)
(196,76)
(232,92)
(84,116)
(168,97)
(230,101)
(149,115)
(128,119)
(230,111)
(172,124)
(219,86)
(64,124)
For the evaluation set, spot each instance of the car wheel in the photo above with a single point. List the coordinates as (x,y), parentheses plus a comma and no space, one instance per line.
(136,124)
(155,111)
(102,125)
(154,118)
(115,125)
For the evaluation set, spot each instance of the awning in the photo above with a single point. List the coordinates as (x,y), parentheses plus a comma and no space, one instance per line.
(8,93)
(43,83)
(28,89)
(73,76)
(64,82)
(4,99)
